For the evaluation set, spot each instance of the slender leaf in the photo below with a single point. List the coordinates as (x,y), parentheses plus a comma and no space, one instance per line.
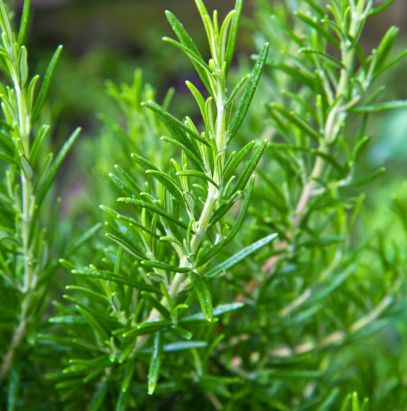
(240,256)
(155,364)
(115,278)
(43,93)
(204,296)
(248,93)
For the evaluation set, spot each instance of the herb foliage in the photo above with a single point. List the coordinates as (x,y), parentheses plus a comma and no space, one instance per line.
(235,267)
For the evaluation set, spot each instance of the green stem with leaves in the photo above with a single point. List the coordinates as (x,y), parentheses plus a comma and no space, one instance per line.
(21,106)
(337,116)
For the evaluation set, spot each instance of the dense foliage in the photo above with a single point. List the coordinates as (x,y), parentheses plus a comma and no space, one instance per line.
(222,256)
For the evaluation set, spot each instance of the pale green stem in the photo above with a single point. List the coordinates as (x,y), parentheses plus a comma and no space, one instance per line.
(180,280)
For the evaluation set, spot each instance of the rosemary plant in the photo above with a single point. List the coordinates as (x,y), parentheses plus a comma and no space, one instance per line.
(135,301)
(238,269)
(27,170)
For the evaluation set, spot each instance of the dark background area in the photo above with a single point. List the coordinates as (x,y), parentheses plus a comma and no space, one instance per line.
(109,38)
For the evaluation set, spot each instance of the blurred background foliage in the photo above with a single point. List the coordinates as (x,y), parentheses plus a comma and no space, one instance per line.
(109,39)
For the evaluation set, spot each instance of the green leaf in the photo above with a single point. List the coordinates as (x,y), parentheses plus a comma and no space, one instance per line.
(115,278)
(154,209)
(142,162)
(48,178)
(43,93)
(99,396)
(302,374)
(385,47)
(206,20)
(25,15)
(168,98)
(368,178)
(380,7)
(6,24)
(240,256)
(88,292)
(23,65)
(132,248)
(198,97)
(203,69)
(374,108)
(99,331)
(13,389)
(126,181)
(237,89)
(250,167)
(218,311)
(164,266)
(67,319)
(248,93)
(400,56)
(128,375)
(41,136)
(155,364)
(360,147)
(231,44)
(188,43)
(167,182)
(128,221)
(148,327)
(191,154)
(121,404)
(236,160)
(185,346)
(204,296)
(178,128)
(197,174)
(324,56)
(293,118)
(317,25)
(202,9)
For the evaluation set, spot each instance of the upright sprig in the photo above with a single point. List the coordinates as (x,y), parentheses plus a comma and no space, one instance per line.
(27,173)
(206,154)
(160,258)
(337,76)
